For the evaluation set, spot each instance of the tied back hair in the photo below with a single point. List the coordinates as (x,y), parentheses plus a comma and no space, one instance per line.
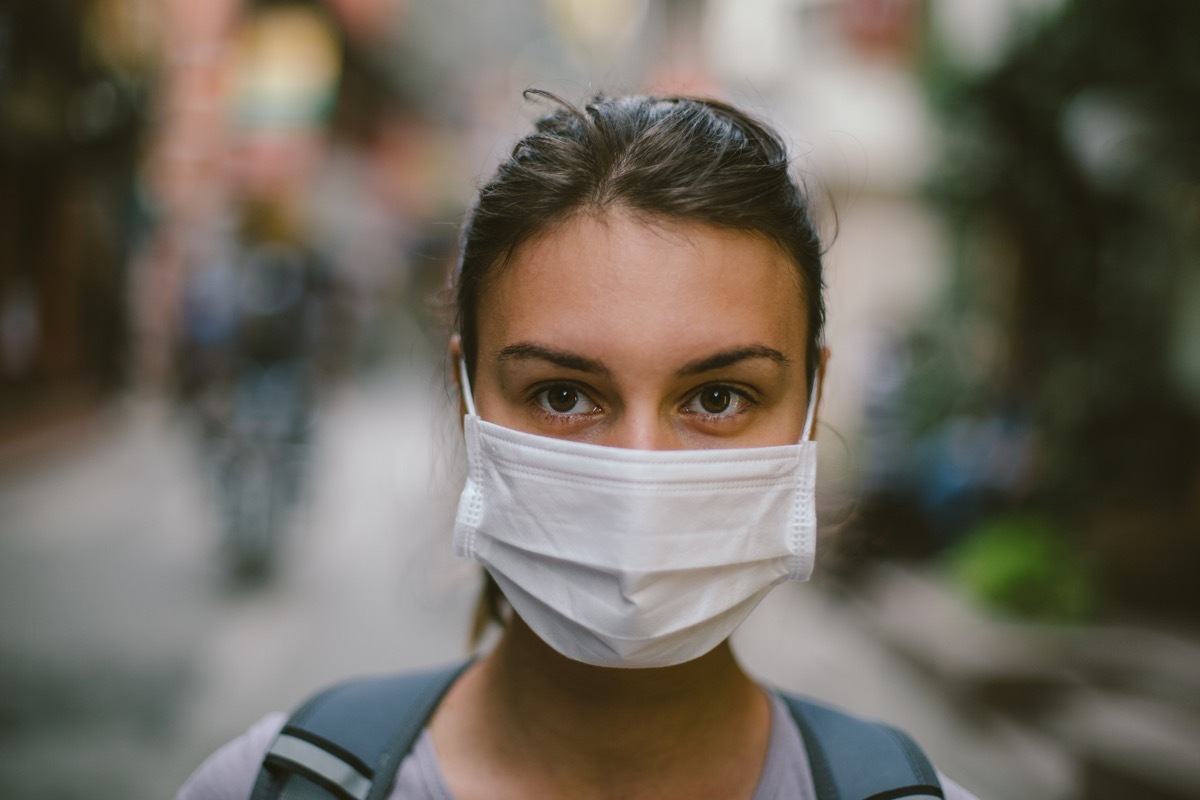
(679,158)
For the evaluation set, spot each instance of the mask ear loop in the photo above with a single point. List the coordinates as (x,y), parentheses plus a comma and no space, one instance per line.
(812,406)
(465,387)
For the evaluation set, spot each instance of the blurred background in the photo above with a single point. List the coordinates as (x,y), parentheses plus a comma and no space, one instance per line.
(228,454)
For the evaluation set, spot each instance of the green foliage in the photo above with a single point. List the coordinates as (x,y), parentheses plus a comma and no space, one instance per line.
(1025,566)
(1069,183)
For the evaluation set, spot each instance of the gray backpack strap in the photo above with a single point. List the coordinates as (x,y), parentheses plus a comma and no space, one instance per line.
(348,741)
(855,759)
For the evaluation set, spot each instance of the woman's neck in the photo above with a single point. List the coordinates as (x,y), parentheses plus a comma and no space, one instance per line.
(545,725)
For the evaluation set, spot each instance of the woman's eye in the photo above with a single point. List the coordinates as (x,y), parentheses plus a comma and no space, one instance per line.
(564,400)
(717,401)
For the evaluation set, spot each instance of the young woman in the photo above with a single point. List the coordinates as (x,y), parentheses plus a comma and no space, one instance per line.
(639,355)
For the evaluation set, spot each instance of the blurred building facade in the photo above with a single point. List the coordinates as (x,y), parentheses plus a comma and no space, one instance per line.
(974,336)
(75,80)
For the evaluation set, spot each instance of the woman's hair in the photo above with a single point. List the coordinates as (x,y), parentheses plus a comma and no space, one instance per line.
(673,158)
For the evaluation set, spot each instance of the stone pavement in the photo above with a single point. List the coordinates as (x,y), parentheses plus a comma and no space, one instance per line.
(125,656)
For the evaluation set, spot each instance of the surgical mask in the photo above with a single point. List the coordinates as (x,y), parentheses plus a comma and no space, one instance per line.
(634,558)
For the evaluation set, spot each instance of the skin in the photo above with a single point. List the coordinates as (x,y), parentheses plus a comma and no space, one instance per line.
(650,334)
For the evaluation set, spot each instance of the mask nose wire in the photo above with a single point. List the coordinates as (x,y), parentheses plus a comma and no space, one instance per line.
(812,407)
(465,387)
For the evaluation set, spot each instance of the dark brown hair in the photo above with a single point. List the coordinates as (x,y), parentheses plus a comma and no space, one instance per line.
(670,157)
(676,158)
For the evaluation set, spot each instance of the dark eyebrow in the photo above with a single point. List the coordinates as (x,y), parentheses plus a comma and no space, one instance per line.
(563,358)
(730,357)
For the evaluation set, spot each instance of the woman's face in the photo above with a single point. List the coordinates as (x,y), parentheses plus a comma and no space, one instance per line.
(652,335)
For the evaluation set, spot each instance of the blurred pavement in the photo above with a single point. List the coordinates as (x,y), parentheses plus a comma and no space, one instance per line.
(126,657)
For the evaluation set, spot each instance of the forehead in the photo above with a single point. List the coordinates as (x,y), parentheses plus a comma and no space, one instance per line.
(614,283)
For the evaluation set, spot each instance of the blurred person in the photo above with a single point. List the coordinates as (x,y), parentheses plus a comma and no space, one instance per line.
(255,328)
(639,353)
(263,299)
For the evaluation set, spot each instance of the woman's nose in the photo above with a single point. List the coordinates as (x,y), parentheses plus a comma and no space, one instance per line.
(643,431)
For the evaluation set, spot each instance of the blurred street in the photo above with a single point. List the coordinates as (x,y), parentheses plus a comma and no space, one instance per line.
(216,218)
(128,655)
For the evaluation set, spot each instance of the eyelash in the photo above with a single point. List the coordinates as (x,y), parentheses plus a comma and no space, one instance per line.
(741,396)
(539,403)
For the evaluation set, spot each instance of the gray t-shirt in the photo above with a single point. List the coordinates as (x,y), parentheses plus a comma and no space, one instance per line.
(230,772)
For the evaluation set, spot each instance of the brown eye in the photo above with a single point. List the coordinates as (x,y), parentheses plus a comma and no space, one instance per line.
(562,400)
(719,402)
(715,400)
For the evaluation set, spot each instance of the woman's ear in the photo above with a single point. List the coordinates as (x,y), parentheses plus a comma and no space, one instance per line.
(455,356)
(825,354)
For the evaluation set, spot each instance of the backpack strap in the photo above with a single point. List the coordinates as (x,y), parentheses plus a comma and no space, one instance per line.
(347,742)
(855,759)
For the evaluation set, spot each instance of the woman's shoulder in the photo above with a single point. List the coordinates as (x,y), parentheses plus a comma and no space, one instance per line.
(230,772)
(788,772)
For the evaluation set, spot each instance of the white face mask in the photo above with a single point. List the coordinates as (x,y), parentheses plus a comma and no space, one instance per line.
(634,558)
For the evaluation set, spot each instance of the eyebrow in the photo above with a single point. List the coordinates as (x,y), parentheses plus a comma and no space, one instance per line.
(730,357)
(523,351)
(528,350)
